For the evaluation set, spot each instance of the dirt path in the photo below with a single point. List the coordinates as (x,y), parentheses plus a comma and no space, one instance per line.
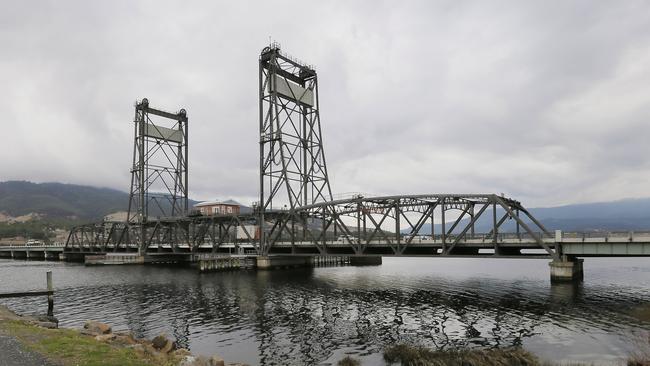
(12,353)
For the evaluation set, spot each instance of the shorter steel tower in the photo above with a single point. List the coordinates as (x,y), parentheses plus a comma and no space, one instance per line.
(159,173)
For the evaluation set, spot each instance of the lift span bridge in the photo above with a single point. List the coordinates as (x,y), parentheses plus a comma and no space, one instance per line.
(296,217)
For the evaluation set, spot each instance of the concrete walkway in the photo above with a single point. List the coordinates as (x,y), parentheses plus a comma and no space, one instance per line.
(12,353)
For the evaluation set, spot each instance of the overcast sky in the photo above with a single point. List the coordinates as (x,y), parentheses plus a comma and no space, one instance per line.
(547,102)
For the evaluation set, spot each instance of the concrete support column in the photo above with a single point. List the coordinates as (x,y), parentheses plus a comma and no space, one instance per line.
(35,254)
(566,270)
(365,261)
(282,262)
(51,256)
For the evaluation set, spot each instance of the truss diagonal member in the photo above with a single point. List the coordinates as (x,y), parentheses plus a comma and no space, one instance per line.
(421,221)
(378,229)
(467,227)
(535,221)
(346,232)
(499,223)
(314,239)
(451,229)
(552,253)
(267,246)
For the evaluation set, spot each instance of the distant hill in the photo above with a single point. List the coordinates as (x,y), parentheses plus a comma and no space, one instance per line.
(57,200)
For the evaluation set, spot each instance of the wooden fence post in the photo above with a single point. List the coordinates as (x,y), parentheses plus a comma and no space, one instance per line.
(50,295)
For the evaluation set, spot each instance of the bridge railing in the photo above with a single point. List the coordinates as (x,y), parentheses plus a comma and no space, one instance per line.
(34,246)
(605,234)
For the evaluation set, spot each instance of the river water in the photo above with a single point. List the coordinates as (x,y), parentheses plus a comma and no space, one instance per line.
(318,315)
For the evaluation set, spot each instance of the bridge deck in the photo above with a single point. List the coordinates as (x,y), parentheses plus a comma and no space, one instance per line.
(583,246)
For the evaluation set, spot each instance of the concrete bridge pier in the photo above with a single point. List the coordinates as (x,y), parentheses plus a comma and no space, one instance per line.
(566,269)
(72,257)
(224,264)
(272,262)
(365,261)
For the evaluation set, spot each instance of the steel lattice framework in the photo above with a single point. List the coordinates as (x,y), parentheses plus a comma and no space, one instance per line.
(293,171)
(292,160)
(159,179)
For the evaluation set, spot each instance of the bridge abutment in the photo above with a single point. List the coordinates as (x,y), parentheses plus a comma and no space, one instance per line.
(566,270)
(263,262)
(224,264)
(365,261)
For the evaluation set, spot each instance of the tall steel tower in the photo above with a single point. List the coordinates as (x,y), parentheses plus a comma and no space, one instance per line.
(159,173)
(293,172)
(292,162)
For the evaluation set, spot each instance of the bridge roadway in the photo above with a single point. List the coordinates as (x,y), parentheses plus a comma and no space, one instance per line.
(48,252)
(611,244)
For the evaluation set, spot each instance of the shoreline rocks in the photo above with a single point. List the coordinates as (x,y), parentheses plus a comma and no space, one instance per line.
(159,346)
(97,327)
(161,349)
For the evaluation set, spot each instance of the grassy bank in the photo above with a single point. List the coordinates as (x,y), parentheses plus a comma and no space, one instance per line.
(71,347)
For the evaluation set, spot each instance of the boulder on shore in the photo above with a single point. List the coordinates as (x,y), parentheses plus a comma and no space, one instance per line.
(48,325)
(202,361)
(163,344)
(97,327)
(125,338)
(105,337)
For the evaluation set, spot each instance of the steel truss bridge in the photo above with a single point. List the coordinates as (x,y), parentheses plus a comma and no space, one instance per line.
(293,175)
(361,226)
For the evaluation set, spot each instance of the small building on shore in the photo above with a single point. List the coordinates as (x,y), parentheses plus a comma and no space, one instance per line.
(209,208)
